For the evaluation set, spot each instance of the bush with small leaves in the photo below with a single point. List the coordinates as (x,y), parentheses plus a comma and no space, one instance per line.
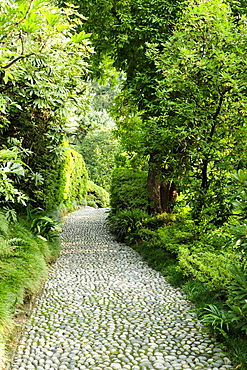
(97,196)
(126,224)
(129,189)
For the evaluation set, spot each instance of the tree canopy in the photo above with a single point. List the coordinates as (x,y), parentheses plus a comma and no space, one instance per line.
(201,131)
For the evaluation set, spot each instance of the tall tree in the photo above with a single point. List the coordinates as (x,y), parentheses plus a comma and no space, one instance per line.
(122,29)
(203,98)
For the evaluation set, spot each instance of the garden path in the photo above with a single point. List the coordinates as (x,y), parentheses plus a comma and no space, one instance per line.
(103,308)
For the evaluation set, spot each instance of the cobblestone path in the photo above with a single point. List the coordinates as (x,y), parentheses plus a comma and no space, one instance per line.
(104,308)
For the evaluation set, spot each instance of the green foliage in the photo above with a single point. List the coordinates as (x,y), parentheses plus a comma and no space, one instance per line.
(46,227)
(218,319)
(159,220)
(201,95)
(98,150)
(177,235)
(128,189)
(238,224)
(210,267)
(4,226)
(102,96)
(73,177)
(10,165)
(202,254)
(199,293)
(43,67)
(238,7)
(43,39)
(234,317)
(129,124)
(125,224)
(185,83)
(24,260)
(98,145)
(237,297)
(123,30)
(97,195)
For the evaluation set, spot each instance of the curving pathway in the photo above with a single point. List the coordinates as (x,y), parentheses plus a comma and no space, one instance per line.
(104,308)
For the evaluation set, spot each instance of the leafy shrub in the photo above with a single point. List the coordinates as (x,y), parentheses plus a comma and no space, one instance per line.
(178,233)
(91,203)
(126,224)
(233,315)
(202,254)
(207,266)
(159,220)
(73,177)
(97,196)
(218,319)
(237,297)
(43,224)
(4,225)
(147,235)
(238,199)
(10,164)
(129,189)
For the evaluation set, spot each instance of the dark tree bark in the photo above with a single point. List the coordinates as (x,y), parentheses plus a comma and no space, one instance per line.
(162,194)
(154,187)
(168,195)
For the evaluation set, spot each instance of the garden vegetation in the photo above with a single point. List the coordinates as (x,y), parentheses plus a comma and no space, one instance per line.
(174,75)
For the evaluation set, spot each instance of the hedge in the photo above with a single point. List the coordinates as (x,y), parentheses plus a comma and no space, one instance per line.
(73,177)
(129,189)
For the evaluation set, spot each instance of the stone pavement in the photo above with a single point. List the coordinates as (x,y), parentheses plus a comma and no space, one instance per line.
(103,308)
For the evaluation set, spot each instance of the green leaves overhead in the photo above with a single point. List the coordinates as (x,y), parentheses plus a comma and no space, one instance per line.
(77,38)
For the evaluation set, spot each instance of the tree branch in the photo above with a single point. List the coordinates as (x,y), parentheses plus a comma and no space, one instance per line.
(25,56)
(218,111)
(16,60)
(25,16)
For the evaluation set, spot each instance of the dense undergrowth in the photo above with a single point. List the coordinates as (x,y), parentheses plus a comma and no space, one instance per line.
(27,248)
(204,260)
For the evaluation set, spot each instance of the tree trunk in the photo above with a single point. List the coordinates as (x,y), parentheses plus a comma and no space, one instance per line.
(162,194)
(154,187)
(168,195)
